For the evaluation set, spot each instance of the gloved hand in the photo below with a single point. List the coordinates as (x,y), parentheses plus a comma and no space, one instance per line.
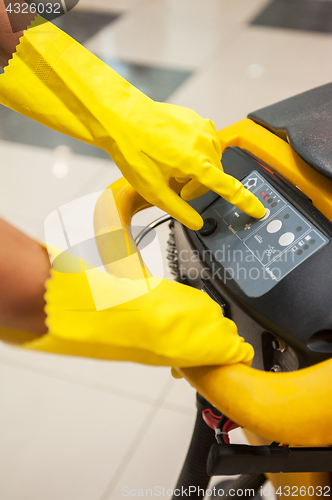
(166,323)
(56,81)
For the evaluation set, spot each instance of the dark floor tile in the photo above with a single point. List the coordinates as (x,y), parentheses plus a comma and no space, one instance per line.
(18,128)
(83,24)
(307,15)
(158,83)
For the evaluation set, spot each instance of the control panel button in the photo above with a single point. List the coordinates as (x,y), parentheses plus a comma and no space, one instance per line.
(286,239)
(268,211)
(209,227)
(274,226)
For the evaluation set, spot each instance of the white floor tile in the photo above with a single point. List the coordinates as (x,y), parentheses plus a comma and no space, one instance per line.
(260,68)
(110,5)
(225,98)
(260,52)
(130,380)
(184,34)
(61,441)
(30,191)
(182,397)
(158,460)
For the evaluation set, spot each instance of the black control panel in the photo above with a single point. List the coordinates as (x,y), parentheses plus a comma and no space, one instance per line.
(260,253)
(271,276)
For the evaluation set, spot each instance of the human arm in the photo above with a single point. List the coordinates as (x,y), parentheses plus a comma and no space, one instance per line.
(11,30)
(24,268)
(154,144)
(151,321)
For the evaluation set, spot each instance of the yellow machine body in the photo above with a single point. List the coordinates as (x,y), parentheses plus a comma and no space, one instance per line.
(294,407)
(278,154)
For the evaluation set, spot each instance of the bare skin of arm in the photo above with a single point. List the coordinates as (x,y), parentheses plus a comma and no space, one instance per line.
(11,30)
(24,264)
(24,268)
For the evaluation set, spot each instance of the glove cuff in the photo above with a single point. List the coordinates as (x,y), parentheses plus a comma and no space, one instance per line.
(39,47)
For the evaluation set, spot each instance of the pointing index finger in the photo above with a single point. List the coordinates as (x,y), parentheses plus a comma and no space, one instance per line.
(234,192)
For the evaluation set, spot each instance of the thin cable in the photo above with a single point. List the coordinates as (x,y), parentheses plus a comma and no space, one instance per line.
(150,227)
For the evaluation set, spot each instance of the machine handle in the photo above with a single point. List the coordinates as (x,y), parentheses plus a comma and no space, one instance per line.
(293,408)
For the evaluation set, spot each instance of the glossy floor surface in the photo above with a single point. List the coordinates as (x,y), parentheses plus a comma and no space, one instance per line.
(81,429)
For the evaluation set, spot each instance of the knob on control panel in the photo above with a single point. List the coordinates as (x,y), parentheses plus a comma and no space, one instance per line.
(209,227)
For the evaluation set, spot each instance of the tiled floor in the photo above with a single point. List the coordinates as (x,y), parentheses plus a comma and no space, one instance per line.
(81,429)
(304,15)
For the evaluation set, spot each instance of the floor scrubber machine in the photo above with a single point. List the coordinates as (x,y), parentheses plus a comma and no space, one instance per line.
(273,277)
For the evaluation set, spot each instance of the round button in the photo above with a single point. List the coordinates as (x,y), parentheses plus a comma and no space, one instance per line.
(209,227)
(274,226)
(266,214)
(286,239)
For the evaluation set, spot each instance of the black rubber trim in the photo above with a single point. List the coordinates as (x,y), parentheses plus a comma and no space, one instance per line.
(305,121)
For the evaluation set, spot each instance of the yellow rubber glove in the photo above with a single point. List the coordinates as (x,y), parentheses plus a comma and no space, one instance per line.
(166,323)
(56,81)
